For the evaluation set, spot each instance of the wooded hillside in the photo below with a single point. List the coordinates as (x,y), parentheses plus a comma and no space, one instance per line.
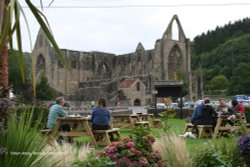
(223,57)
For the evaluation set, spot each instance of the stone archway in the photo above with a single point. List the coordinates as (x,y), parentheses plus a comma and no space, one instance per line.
(175,60)
(137,102)
(104,70)
(40,66)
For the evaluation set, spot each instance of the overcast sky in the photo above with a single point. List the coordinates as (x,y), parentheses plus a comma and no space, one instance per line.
(117,26)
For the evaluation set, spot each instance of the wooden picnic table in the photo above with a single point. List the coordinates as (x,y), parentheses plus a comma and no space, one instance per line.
(147,117)
(80,127)
(223,124)
(125,120)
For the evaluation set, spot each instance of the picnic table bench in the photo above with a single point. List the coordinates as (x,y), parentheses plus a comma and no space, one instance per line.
(80,127)
(151,119)
(105,137)
(204,130)
(128,121)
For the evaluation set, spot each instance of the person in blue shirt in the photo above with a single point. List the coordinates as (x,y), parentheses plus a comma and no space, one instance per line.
(100,117)
(196,113)
(56,111)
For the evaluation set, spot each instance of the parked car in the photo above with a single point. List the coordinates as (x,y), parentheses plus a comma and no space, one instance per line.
(160,106)
(241,97)
(174,105)
(246,103)
(187,105)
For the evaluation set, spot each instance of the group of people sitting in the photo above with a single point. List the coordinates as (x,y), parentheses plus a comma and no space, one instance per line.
(206,114)
(100,117)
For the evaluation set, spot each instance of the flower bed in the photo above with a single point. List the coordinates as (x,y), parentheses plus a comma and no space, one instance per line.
(129,153)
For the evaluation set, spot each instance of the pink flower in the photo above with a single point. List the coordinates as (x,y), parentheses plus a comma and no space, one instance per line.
(130,144)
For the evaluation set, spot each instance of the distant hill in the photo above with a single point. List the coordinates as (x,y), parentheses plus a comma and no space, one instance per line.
(224,53)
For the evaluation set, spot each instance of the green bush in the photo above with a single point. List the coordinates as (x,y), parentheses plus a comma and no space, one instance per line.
(36,111)
(208,156)
(229,150)
(220,152)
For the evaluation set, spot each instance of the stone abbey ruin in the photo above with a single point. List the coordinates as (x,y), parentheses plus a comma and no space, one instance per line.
(129,77)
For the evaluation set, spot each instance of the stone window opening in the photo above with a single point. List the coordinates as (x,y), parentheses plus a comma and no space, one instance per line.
(138,86)
(41,64)
(175,31)
(73,63)
(104,68)
(60,64)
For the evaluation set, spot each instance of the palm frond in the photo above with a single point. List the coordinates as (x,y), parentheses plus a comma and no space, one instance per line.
(11,25)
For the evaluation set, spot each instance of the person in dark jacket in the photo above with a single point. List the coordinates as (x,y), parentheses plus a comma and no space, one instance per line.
(208,114)
(100,116)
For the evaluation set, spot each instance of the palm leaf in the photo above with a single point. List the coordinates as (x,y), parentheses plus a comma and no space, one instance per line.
(19,41)
(13,10)
(50,37)
(46,30)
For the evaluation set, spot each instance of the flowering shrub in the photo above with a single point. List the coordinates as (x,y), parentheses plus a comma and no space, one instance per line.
(244,146)
(127,153)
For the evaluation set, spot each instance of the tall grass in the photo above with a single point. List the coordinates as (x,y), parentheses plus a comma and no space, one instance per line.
(66,154)
(173,150)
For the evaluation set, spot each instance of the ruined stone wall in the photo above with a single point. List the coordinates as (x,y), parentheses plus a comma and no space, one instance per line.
(100,72)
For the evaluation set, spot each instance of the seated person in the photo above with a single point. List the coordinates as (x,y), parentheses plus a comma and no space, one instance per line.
(196,113)
(56,111)
(222,107)
(100,117)
(238,107)
(208,114)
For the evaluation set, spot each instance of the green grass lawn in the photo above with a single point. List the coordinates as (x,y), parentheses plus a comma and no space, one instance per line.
(177,127)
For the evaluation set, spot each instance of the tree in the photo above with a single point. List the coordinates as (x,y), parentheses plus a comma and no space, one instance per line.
(240,81)
(218,84)
(3,52)
(44,91)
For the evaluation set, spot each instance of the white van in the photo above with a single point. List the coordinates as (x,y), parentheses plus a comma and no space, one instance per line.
(160,106)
